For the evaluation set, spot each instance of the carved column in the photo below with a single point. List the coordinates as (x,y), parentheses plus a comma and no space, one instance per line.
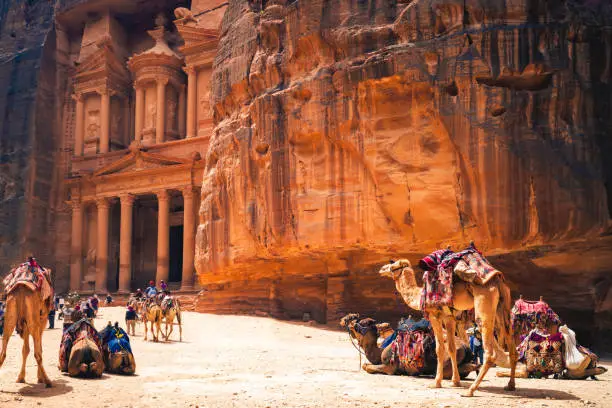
(76,253)
(80,125)
(125,243)
(163,235)
(181,112)
(189,227)
(104,120)
(102,251)
(192,89)
(139,114)
(160,126)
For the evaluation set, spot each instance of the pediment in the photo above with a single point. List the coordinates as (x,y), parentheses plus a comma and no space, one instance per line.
(103,60)
(138,161)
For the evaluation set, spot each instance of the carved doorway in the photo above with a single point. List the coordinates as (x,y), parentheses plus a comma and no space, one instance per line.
(176,254)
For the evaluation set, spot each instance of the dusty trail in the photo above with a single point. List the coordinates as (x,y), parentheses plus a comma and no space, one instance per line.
(244,361)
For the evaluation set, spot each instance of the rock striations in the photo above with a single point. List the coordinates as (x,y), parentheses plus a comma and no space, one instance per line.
(351,132)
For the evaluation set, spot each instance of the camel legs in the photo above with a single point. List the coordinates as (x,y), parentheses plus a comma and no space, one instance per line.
(450,326)
(485,310)
(25,351)
(169,322)
(379,369)
(10,321)
(145,327)
(436,325)
(37,337)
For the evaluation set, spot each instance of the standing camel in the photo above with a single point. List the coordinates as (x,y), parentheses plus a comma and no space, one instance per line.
(173,311)
(152,314)
(491,302)
(27,311)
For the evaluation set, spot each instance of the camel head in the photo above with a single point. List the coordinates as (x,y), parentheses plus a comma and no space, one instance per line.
(359,328)
(394,269)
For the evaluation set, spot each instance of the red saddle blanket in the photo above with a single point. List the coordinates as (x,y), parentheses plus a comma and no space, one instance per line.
(35,278)
(527,315)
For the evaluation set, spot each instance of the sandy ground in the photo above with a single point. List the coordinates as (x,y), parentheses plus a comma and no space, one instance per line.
(244,361)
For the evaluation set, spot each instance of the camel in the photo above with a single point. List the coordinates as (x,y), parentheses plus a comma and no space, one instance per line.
(380,359)
(86,358)
(27,312)
(491,302)
(118,357)
(172,312)
(152,314)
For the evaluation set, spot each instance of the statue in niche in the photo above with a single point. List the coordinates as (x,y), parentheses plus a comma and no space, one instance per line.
(171,105)
(91,262)
(205,105)
(152,116)
(93,124)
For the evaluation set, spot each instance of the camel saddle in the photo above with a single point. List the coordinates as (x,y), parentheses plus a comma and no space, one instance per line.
(442,266)
(82,328)
(35,278)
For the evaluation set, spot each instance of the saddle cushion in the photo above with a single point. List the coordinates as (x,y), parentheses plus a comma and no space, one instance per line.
(77,330)
(527,316)
(542,354)
(413,346)
(34,278)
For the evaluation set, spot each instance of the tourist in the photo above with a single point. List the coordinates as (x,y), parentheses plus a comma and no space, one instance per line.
(476,345)
(151,291)
(95,303)
(138,295)
(163,286)
(130,320)
(76,314)
(51,317)
(109,300)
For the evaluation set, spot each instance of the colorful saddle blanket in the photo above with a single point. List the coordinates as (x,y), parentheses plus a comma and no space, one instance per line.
(439,269)
(527,316)
(413,346)
(542,353)
(76,331)
(35,278)
(115,339)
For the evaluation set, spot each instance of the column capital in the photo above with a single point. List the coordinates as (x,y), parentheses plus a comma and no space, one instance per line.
(76,204)
(162,195)
(127,199)
(79,97)
(189,192)
(162,80)
(138,85)
(103,91)
(103,202)
(190,70)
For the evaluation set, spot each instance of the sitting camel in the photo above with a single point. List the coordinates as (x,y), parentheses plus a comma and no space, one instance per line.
(492,304)
(366,332)
(81,351)
(118,356)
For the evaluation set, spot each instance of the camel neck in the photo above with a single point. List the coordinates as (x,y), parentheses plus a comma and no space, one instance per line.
(370,348)
(407,286)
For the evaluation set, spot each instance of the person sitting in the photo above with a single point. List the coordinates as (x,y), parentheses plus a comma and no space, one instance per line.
(166,302)
(109,299)
(151,291)
(130,320)
(163,286)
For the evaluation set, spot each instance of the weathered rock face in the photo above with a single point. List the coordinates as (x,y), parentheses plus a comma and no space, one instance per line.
(28,129)
(351,132)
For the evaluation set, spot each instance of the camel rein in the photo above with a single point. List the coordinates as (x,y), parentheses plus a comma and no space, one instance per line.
(358,348)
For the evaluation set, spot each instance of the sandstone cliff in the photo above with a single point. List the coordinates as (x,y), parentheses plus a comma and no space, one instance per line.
(351,132)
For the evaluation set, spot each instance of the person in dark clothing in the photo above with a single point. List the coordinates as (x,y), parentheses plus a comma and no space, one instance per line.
(109,299)
(130,320)
(51,317)
(89,312)
(476,345)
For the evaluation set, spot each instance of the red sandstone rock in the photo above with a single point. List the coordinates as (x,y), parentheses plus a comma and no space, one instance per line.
(336,147)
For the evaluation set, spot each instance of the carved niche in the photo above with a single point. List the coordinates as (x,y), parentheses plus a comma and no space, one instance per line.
(171,107)
(93,124)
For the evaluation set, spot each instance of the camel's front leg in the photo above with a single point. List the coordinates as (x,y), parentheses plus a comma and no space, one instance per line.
(169,333)
(25,351)
(513,361)
(145,328)
(450,325)
(379,369)
(436,325)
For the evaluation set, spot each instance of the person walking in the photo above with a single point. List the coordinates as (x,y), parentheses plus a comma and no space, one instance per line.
(51,317)
(476,345)
(130,320)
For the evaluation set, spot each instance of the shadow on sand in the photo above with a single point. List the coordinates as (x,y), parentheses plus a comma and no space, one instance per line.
(60,387)
(530,393)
